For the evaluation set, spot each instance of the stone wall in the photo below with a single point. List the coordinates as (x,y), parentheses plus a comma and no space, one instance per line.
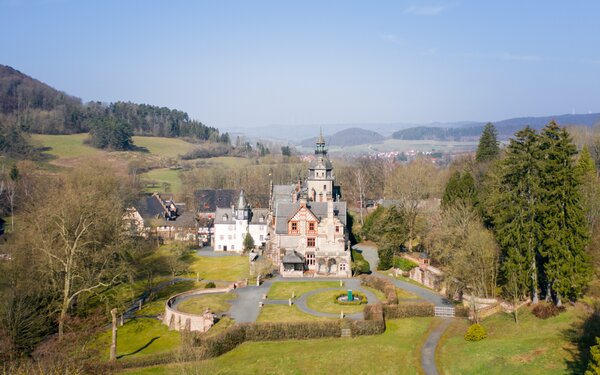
(179,321)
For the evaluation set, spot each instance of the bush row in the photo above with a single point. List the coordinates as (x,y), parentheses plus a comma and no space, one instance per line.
(386,286)
(408,310)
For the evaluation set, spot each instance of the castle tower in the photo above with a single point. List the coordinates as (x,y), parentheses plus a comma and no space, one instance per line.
(320,174)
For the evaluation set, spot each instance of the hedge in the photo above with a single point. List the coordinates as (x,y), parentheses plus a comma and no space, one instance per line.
(408,310)
(386,286)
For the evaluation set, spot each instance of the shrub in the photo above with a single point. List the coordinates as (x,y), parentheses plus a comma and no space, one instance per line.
(404,264)
(292,330)
(367,327)
(373,312)
(408,310)
(359,264)
(210,285)
(475,332)
(382,285)
(546,310)
(386,256)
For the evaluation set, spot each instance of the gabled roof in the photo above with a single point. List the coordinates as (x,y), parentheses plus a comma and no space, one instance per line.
(285,210)
(150,207)
(292,257)
(208,200)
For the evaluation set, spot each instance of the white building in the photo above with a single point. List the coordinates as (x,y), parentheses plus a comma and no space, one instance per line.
(232,225)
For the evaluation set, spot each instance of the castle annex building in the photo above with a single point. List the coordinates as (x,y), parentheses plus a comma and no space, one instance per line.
(307,232)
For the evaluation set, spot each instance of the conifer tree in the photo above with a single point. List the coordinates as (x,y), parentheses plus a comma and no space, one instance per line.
(564,228)
(488,148)
(516,216)
(460,189)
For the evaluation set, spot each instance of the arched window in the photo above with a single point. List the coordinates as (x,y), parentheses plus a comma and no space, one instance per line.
(225,217)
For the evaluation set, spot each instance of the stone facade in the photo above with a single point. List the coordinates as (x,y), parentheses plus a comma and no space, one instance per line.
(308,234)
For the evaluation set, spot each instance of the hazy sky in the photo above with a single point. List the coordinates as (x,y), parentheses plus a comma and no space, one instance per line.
(253,63)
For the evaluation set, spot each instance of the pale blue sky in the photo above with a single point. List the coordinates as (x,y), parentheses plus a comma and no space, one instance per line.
(253,63)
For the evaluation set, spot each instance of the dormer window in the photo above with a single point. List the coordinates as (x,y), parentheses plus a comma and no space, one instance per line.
(225,217)
(294,227)
(261,219)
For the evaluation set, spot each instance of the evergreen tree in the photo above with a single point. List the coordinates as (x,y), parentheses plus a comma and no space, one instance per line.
(488,148)
(248,242)
(565,231)
(516,212)
(594,365)
(460,189)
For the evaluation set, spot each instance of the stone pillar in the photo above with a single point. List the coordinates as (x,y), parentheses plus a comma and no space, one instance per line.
(113,344)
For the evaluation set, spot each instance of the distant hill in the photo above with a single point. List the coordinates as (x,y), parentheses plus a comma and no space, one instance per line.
(43,109)
(506,128)
(347,137)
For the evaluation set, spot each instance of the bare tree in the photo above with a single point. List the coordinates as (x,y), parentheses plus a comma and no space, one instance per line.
(412,184)
(77,229)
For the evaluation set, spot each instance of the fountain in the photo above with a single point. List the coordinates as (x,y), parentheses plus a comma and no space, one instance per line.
(350,297)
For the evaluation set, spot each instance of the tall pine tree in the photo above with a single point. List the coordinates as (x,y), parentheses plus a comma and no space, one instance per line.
(516,212)
(564,228)
(488,148)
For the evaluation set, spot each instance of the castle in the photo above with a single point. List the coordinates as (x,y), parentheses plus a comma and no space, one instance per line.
(307,231)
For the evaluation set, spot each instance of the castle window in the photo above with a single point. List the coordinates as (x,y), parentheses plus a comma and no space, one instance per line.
(310,259)
(310,242)
(337,229)
(342,266)
(294,227)
(324,187)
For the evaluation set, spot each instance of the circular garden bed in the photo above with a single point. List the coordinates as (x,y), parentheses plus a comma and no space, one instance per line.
(327,302)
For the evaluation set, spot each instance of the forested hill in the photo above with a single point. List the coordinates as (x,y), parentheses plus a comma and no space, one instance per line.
(506,128)
(348,137)
(40,108)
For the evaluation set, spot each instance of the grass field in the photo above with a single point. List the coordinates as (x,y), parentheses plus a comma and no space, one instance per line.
(216,302)
(284,290)
(163,176)
(138,338)
(395,353)
(230,268)
(165,147)
(285,313)
(66,146)
(533,347)
(324,302)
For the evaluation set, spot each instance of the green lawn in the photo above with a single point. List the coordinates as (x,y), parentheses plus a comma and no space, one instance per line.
(216,302)
(324,302)
(284,289)
(285,313)
(166,147)
(533,347)
(138,338)
(390,353)
(229,268)
(157,305)
(163,176)
(65,146)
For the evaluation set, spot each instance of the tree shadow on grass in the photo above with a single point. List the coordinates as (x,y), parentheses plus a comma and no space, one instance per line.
(140,349)
(582,335)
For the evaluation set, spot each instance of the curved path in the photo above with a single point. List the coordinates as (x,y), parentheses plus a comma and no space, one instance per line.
(428,349)
(301,302)
(370,254)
